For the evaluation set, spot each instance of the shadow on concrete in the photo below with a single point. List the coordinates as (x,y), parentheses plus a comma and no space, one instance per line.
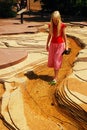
(32,75)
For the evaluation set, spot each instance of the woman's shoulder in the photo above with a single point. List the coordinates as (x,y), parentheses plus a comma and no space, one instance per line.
(48,25)
(63,25)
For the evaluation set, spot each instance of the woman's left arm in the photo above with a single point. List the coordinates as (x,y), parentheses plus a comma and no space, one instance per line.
(65,38)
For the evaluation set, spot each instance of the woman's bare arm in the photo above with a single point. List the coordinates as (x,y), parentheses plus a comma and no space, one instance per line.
(48,40)
(65,39)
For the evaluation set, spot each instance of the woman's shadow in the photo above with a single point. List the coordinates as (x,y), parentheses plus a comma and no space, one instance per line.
(31,75)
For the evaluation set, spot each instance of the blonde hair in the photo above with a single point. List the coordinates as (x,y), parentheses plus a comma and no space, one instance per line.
(55,14)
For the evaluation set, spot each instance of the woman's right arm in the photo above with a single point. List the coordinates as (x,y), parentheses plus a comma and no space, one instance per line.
(48,40)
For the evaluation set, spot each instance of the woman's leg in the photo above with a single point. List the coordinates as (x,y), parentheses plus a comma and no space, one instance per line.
(58,59)
(55,74)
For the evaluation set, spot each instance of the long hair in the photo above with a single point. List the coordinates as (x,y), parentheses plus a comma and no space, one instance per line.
(55,14)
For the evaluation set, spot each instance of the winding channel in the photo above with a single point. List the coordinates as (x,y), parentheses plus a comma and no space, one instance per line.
(35,94)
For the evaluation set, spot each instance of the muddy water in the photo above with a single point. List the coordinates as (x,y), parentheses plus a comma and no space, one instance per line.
(38,95)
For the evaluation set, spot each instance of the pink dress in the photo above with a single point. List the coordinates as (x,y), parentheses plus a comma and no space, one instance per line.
(56,48)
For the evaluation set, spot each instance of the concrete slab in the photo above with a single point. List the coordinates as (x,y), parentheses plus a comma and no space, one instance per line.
(12,56)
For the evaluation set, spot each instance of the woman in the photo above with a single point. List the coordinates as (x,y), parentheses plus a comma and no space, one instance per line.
(58,43)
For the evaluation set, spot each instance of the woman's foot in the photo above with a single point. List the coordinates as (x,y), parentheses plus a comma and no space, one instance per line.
(53,82)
